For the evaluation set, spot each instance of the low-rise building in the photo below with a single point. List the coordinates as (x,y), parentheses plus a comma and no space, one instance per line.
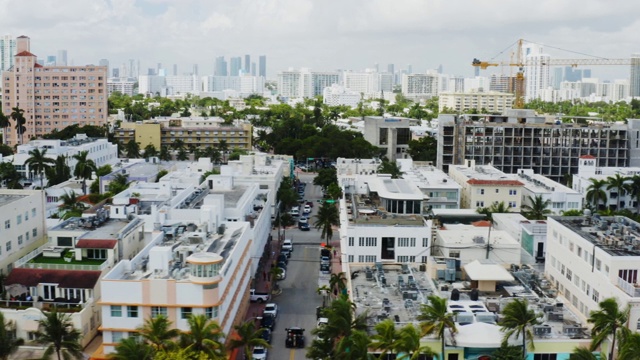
(483,185)
(490,102)
(560,197)
(197,132)
(123,85)
(392,135)
(337,95)
(532,234)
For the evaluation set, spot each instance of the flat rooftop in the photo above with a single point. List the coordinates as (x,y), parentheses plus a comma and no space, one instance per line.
(541,184)
(232,196)
(366,211)
(617,235)
(9,198)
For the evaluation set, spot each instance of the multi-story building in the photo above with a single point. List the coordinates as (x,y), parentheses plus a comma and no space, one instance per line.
(124,86)
(304,83)
(635,75)
(519,139)
(485,102)
(483,185)
(52,97)
(262,66)
(537,69)
(592,258)
(370,82)
(220,68)
(323,80)
(201,263)
(244,85)
(560,197)
(235,66)
(7,52)
(194,131)
(392,135)
(420,85)
(101,151)
(23,225)
(335,95)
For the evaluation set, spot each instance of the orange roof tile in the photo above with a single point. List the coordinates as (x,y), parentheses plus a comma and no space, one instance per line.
(24,53)
(587,157)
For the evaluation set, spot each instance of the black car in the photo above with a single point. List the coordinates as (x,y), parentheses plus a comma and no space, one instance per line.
(325,268)
(265,334)
(282,264)
(283,258)
(325,252)
(304,227)
(295,338)
(267,321)
(286,252)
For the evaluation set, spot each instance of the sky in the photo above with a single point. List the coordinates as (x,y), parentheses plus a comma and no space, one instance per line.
(325,35)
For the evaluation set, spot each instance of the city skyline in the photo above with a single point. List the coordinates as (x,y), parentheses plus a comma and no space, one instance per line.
(323,36)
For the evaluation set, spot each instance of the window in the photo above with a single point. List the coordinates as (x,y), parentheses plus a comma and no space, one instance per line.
(26,215)
(135,335)
(569,274)
(579,250)
(158,310)
(367,241)
(596,296)
(132,311)
(34,232)
(116,311)
(497,191)
(513,204)
(454,254)
(598,264)
(33,212)
(480,191)
(425,242)
(562,269)
(117,336)
(8,245)
(406,242)
(185,312)
(367,258)
(404,259)
(19,219)
(545,356)
(479,203)
(20,241)
(351,241)
(211,312)
(424,259)
(26,236)
(7,224)
(350,258)
(513,192)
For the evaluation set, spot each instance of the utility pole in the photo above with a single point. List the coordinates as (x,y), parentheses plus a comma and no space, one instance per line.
(489,239)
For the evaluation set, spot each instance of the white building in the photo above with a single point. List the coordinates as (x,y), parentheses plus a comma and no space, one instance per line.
(7,52)
(532,234)
(23,225)
(490,101)
(101,151)
(483,185)
(561,198)
(588,170)
(392,134)
(420,85)
(537,71)
(304,83)
(442,191)
(368,82)
(590,259)
(244,85)
(124,86)
(152,85)
(339,95)
(203,265)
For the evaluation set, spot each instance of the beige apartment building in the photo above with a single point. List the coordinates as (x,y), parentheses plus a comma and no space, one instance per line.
(52,97)
(492,101)
(198,132)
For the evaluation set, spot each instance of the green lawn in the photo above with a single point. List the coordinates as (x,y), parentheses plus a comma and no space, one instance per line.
(46,260)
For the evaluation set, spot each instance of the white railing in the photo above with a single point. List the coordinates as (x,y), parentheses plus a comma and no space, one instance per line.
(30,256)
(47,266)
(629,288)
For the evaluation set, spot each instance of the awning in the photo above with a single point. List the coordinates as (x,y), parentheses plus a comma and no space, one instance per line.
(486,271)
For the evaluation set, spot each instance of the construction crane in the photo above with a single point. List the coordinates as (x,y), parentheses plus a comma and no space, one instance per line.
(520,62)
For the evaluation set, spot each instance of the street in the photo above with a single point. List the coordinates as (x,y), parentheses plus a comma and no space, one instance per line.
(299,297)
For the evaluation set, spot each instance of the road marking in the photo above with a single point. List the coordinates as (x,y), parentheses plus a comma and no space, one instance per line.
(292,354)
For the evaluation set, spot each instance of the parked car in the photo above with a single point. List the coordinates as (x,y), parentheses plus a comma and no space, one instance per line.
(265,334)
(287,244)
(286,252)
(304,227)
(259,353)
(309,203)
(294,211)
(283,274)
(325,252)
(303,220)
(325,268)
(267,321)
(325,260)
(271,309)
(282,265)
(259,296)
(283,258)
(295,338)
(306,209)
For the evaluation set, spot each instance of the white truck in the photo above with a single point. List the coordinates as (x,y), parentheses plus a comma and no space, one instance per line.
(259,297)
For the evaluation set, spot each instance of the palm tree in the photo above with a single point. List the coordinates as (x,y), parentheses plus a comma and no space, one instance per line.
(71,207)
(629,347)
(9,344)
(150,151)
(5,124)
(165,154)
(274,274)
(619,183)
(634,190)
(435,319)
(595,193)
(132,149)
(118,183)
(182,155)
(247,337)
(158,332)
(38,162)
(392,168)
(10,176)
(132,348)
(17,115)
(606,322)
(408,342)
(325,291)
(517,320)
(59,172)
(224,147)
(354,347)
(326,218)
(495,208)
(538,210)
(56,330)
(178,144)
(385,339)
(84,168)
(584,353)
(204,337)
(338,282)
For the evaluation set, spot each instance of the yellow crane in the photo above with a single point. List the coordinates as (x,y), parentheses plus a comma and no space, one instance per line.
(520,62)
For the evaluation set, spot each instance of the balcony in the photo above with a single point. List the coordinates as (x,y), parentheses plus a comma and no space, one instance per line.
(632,290)
(63,261)
(64,307)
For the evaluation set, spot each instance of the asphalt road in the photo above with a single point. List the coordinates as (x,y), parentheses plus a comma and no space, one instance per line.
(299,299)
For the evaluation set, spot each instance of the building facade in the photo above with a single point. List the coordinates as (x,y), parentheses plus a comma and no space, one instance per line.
(7,52)
(518,139)
(52,97)
(391,135)
(420,85)
(560,197)
(489,102)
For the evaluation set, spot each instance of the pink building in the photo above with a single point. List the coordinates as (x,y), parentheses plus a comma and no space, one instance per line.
(52,97)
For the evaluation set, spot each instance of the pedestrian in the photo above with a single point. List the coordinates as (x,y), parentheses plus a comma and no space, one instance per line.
(264,275)
(335,252)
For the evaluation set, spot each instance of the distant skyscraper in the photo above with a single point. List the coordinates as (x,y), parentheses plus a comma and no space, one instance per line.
(440,69)
(376,66)
(195,69)
(151,71)
(247,64)
(586,73)
(51,60)
(635,76)
(409,69)
(263,66)
(7,52)
(391,68)
(236,66)
(158,68)
(220,68)
(253,69)
(557,78)
(175,69)
(115,72)
(537,71)
(61,59)
(104,62)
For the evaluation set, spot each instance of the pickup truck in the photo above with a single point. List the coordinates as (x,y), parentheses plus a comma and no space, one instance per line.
(258,296)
